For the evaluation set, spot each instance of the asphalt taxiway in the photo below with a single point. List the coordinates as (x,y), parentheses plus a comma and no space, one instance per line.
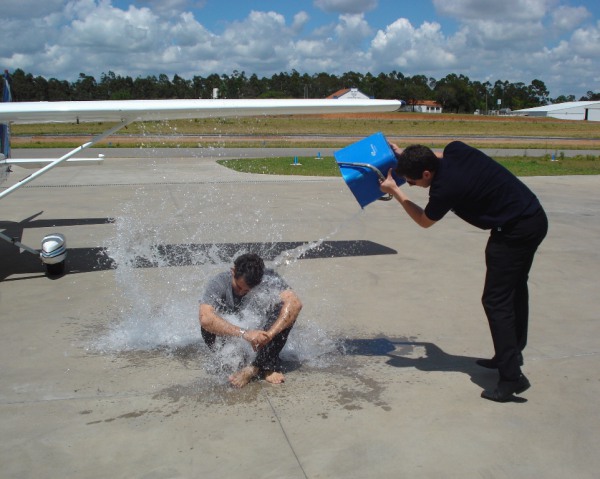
(398,395)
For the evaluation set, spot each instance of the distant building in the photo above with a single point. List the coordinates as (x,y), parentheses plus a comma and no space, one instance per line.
(423,106)
(349,94)
(570,110)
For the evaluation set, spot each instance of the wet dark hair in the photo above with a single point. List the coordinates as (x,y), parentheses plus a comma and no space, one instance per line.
(251,267)
(414,160)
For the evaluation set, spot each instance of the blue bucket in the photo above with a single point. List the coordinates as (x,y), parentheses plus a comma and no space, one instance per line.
(363,163)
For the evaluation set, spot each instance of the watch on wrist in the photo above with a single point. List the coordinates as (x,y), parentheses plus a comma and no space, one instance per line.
(242,332)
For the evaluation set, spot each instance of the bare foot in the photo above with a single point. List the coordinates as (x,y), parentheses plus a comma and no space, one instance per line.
(243,376)
(274,377)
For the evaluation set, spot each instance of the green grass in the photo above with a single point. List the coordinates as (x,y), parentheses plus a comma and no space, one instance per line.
(325,131)
(544,166)
(392,124)
(284,166)
(520,166)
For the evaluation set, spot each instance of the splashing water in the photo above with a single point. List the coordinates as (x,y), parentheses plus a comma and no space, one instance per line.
(159,287)
(289,257)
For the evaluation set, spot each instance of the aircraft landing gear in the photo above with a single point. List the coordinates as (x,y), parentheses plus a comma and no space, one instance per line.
(54,254)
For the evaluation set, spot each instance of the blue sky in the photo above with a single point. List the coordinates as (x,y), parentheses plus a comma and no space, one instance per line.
(556,41)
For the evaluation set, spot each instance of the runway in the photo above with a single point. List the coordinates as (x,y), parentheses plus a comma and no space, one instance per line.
(104,373)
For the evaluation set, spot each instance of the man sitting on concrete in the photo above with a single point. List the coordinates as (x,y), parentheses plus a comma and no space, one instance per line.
(227,294)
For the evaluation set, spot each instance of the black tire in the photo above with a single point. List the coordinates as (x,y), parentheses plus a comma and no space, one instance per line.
(57,269)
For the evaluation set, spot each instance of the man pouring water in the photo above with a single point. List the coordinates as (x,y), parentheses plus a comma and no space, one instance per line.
(249,291)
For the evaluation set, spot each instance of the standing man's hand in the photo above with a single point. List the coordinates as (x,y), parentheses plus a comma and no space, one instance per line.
(395,148)
(389,184)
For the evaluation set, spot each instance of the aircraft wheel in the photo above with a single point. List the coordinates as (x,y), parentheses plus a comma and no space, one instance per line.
(57,269)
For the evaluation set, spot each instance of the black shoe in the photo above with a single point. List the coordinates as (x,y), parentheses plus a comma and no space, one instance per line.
(493,363)
(505,390)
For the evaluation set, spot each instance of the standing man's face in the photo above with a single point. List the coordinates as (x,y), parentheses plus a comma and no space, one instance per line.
(423,182)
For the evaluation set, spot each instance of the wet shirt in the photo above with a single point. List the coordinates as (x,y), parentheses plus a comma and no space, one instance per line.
(262,298)
(477,189)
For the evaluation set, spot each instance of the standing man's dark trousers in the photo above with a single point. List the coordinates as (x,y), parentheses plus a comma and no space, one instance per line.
(509,255)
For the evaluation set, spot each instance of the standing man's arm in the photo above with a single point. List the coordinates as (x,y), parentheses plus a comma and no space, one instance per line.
(414,211)
(215,324)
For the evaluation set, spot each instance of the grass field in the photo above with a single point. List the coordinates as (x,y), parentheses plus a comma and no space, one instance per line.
(325,131)
(520,166)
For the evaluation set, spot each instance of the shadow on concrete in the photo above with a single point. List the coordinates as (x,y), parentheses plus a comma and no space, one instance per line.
(16,262)
(424,356)
(84,260)
(15,229)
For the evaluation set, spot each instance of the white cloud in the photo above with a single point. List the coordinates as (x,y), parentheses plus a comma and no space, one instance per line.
(30,9)
(346,6)
(260,37)
(170,8)
(585,43)
(187,32)
(420,50)
(494,36)
(311,55)
(300,21)
(514,40)
(352,30)
(566,18)
(499,11)
(106,28)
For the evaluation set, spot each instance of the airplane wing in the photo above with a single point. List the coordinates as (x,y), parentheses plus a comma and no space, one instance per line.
(150,110)
(128,111)
(124,112)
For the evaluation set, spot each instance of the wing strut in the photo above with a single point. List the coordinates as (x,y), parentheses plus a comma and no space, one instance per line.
(57,162)
(53,252)
(18,244)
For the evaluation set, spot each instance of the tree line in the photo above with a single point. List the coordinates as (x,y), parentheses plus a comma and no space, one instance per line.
(456,93)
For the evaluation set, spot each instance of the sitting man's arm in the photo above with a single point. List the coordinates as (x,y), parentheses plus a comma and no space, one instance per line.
(290,309)
(215,324)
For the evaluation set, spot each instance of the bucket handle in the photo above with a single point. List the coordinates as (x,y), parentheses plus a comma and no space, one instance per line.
(385,197)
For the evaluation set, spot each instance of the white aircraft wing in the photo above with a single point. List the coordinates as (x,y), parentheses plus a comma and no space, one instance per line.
(124,112)
(128,111)
(149,110)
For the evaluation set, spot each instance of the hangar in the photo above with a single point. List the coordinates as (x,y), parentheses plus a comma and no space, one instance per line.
(571,110)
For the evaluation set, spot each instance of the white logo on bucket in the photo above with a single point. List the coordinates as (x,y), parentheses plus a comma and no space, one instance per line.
(373,150)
